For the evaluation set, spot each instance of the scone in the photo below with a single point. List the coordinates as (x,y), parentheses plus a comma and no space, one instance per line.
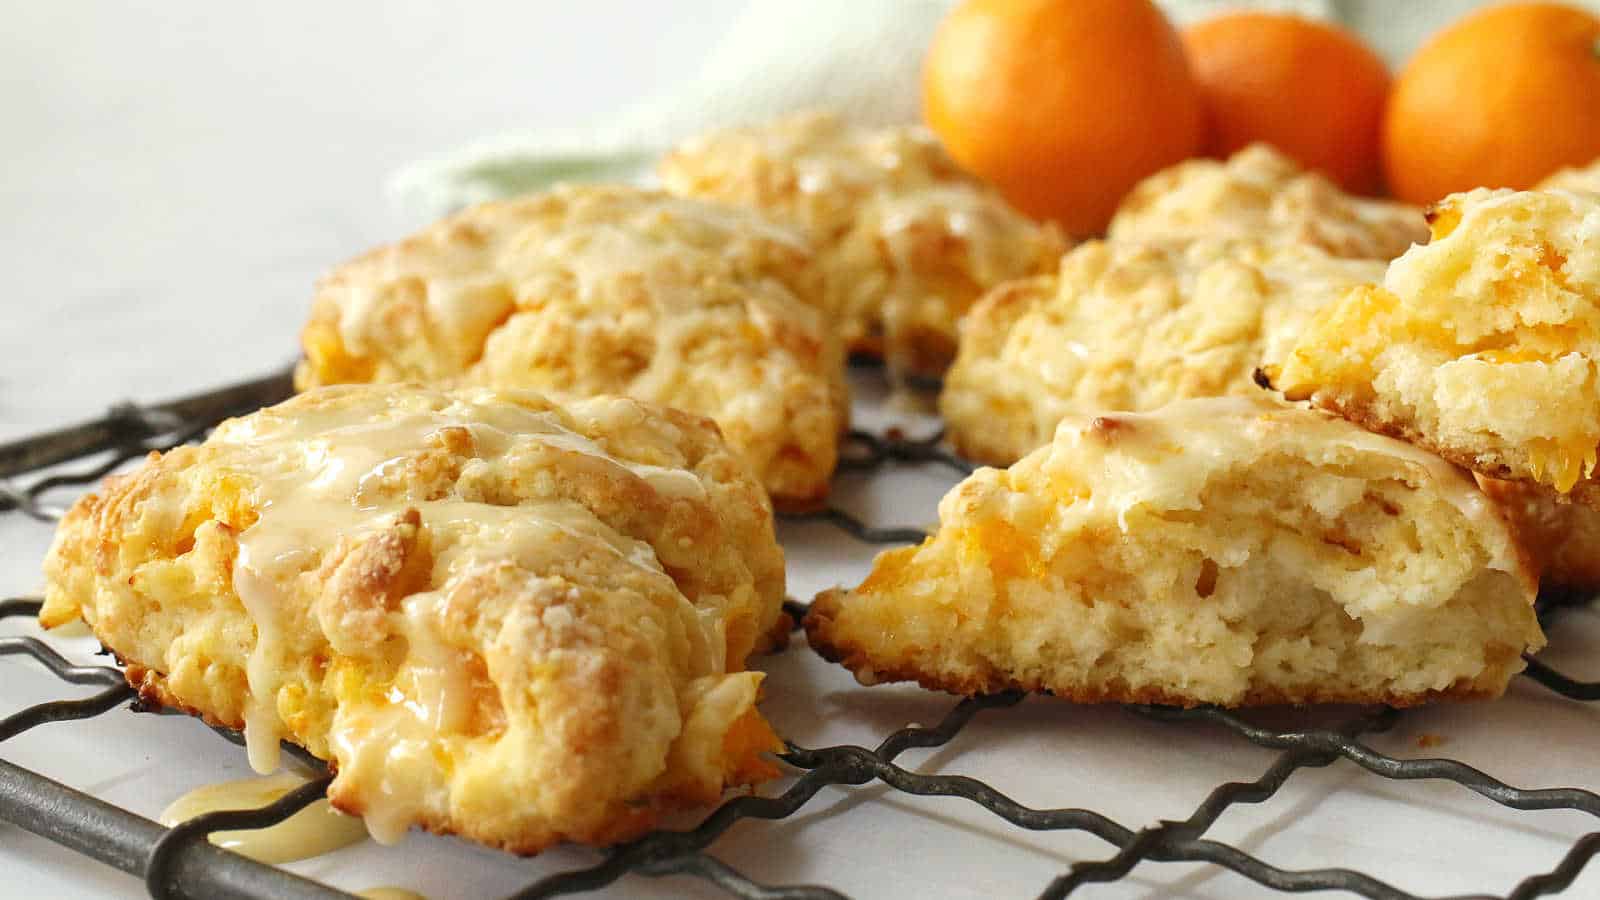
(1229,551)
(1481,345)
(494,616)
(1131,326)
(1259,192)
(605,290)
(1561,538)
(907,241)
(1579,178)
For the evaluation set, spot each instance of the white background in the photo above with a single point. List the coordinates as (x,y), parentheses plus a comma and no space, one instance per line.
(176,175)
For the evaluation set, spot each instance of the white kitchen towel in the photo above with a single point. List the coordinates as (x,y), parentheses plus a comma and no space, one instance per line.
(858,57)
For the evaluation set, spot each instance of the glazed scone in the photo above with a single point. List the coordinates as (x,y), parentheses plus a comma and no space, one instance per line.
(604,290)
(1230,551)
(1561,538)
(1480,346)
(495,616)
(1579,178)
(1131,326)
(906,240)
(1258,192)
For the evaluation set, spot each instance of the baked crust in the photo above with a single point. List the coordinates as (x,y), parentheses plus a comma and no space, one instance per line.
(991,680)
(1577,178)
(589,290)
(1561,537)
(455,598)
(1131,326)
(1260,193)
(1221,551)
(906,241)
(1481,346)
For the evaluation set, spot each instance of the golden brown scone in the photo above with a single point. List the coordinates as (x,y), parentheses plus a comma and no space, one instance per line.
(905,239)
(1480,346)
(604,290)
(1581,178)
(494,616)
(1131,326)
(1258,192)
(1230,551)
(1561,537)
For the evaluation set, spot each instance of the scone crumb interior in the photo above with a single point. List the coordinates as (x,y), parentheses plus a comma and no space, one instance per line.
(1217,551)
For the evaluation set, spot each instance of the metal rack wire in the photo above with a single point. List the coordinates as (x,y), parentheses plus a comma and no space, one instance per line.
(180,863)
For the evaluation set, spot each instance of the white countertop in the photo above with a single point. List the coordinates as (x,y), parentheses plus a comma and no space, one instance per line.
(177,175)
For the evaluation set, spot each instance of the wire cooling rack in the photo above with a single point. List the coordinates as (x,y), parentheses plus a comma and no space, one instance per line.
(180,863)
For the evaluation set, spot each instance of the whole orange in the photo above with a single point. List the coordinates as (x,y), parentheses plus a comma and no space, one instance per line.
(1311,89)
(1062,104)
(1501,98)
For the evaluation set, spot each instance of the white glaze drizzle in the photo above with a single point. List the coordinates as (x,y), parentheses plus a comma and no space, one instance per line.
(1174,444)
(315,829)
(331,490)
(389,893)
